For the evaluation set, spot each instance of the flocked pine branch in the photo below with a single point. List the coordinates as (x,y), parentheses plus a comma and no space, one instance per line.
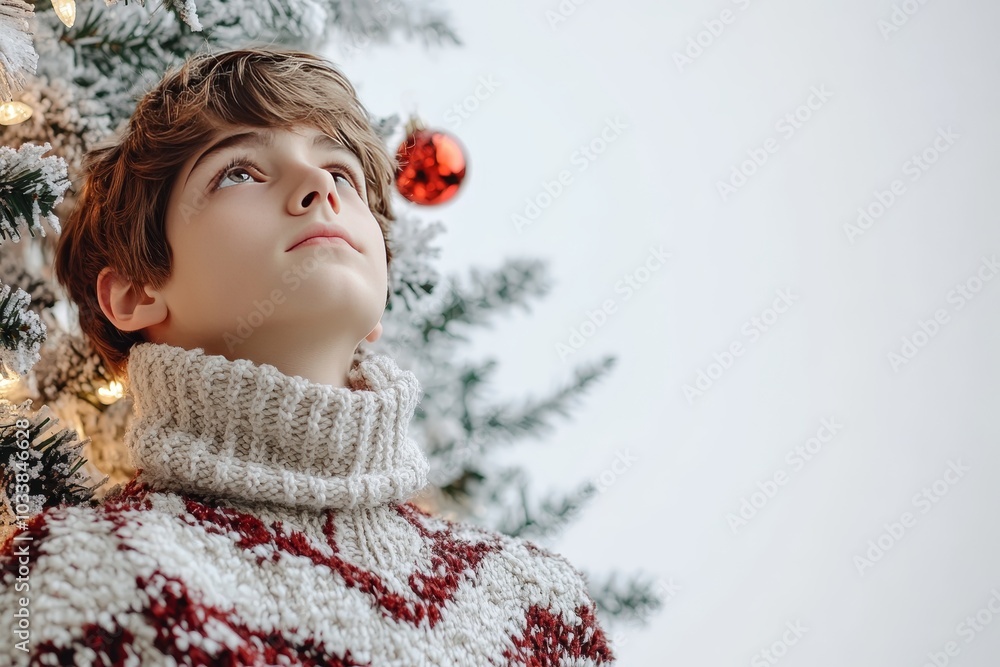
(635,600)
(118,41)
(306,23)
(14,273)
(511,284)
(18,57)
(366,22)
(31,446)
(30,188)
(21,333)
(69,364)
(413,275)
(485,427)
(505,422)
(538,520)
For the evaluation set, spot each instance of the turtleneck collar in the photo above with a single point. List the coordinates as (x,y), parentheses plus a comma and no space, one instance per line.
(205,425)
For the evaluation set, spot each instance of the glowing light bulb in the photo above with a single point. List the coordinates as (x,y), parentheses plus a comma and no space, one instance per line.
(112,393)
(66,11)
(12,113)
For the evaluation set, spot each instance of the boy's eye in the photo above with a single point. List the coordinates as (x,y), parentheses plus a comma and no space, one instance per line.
(343,176)
(237,171)
(234,173)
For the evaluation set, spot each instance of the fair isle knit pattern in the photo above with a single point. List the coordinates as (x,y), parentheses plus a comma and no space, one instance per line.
(269,523)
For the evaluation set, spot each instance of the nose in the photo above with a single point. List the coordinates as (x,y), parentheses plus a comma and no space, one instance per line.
(316,187)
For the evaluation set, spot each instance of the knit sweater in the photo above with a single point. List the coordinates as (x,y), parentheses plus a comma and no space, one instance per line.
(269,523)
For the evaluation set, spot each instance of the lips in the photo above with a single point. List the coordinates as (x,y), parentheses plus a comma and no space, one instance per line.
(322,230)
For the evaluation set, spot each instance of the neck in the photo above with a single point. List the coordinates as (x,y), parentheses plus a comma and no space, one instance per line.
(207,425)
(293,349)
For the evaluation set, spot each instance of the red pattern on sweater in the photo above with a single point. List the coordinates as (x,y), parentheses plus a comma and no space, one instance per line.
(175,612)
(548,639)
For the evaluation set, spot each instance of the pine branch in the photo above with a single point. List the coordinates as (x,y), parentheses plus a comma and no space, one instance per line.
(31,187)
(506,491)
(412,274)
(365,22)
(70,364)
(535,416)
(298,23)
(460,490)
(186,12)
(545,520)
(21,333)
(119,42)
(512,284)
(17,52)
(635,600)
(452,451)
(40,292)
(50,460)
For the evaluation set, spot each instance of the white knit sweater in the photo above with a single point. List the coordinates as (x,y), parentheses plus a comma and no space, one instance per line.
(269,524)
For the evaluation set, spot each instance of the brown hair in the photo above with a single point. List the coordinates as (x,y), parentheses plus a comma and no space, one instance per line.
(120,217)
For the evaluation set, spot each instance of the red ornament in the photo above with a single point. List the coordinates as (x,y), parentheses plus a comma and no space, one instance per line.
(431,165)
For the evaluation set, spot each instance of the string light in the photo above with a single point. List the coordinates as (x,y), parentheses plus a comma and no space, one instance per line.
(66,11)
(12,113)
(6,384)
(112,393)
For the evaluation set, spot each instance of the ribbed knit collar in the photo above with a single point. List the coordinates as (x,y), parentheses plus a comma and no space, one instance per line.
(206,425)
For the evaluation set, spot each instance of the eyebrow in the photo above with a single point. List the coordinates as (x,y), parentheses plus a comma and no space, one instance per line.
(263,139)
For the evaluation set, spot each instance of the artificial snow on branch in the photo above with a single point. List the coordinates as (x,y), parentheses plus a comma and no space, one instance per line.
(48,458)
(30,188)
(22,333)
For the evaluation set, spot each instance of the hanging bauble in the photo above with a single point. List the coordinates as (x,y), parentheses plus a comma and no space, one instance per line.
(432,164)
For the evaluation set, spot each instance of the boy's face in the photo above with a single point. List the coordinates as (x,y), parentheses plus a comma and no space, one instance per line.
(233,218)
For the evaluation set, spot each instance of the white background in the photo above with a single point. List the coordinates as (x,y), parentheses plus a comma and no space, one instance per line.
(825,357)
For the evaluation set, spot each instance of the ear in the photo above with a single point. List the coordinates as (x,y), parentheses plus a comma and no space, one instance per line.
(375,334)
(126,307)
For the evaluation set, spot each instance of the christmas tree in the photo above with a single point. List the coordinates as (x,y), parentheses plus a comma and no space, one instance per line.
(70,75)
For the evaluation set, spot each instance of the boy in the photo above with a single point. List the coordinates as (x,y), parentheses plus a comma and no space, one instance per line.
(268,521)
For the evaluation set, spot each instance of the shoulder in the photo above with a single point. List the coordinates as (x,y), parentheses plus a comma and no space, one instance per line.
(543,589)
(88,547)
(533,566)
(81,574)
